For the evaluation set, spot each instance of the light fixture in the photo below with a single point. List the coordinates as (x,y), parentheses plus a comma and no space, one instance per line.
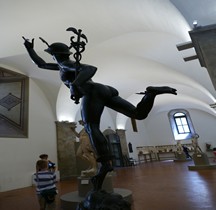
(195,23)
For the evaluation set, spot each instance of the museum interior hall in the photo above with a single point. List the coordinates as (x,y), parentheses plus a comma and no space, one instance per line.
(163,162)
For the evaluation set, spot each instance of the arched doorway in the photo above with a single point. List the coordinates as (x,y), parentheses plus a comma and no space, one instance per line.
(115,147)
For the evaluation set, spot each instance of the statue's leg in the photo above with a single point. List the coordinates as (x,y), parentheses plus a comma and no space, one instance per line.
(98,179)
(79,152)
(91,111)
(143,108)
(90,155)
(93,164)
(161,90)
(147,102)
(103,153)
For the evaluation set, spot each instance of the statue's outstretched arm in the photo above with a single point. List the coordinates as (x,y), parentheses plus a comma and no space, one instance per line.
(36,59)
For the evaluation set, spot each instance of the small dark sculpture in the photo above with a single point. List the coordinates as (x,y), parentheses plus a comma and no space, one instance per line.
(95,96)
(186,151)
(130,147)
(101,200)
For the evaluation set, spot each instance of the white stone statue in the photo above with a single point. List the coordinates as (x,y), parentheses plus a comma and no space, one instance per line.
(195,144)
(86,151)
(179,147)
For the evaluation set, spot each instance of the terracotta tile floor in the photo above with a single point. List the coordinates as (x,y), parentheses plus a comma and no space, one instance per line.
(164,185)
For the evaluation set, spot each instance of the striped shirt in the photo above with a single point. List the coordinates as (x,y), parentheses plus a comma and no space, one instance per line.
(44,180)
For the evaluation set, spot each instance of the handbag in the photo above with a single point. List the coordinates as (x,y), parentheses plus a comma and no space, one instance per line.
(49,195)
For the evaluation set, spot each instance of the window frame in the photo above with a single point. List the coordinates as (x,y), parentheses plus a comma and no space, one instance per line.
(175,129)
(183,125)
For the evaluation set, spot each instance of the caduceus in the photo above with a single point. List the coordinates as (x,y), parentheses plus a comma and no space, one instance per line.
(79,46)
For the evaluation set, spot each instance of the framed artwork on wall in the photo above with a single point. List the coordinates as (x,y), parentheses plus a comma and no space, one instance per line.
(14,100)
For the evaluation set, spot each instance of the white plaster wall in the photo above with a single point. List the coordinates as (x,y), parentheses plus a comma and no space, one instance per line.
(140,138)
(18,156)
(159,129)
(204,125)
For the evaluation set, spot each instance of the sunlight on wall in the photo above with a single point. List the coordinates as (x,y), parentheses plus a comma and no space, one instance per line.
(66,109)
(65,118)
(121,121)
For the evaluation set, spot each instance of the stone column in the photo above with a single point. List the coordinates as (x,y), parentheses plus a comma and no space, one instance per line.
(66,150)
(122,136)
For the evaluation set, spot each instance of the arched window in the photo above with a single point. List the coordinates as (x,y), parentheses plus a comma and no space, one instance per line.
(181,124)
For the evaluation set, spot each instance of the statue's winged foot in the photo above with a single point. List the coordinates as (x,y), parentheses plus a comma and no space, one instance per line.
(159,90)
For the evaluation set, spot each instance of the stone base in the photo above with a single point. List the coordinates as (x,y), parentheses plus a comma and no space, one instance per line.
(85,185)
(183,160)
(181,157)
(200,159)
(69,201)
(201,167)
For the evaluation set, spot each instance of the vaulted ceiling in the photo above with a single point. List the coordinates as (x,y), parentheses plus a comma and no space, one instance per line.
(133,44)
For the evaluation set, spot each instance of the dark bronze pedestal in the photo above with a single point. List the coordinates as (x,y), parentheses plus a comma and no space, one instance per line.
(70,200)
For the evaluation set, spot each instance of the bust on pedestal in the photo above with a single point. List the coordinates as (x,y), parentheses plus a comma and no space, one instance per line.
(200,159)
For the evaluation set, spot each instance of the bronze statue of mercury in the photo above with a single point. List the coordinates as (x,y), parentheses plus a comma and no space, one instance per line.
(94,96)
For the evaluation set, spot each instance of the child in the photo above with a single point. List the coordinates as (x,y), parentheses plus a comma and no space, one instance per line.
(45,180)
(51,165)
